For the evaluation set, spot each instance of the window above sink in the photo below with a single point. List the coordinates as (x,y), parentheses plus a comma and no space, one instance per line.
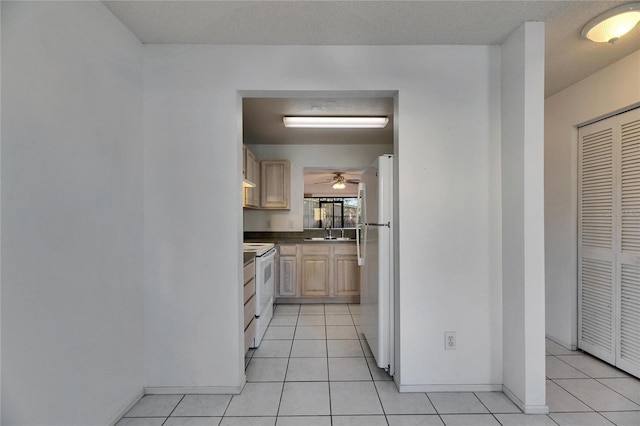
(330,212)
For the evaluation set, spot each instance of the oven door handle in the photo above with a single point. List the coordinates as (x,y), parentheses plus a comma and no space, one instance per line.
(267,257)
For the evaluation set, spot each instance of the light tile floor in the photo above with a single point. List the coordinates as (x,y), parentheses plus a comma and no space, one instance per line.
(313,368)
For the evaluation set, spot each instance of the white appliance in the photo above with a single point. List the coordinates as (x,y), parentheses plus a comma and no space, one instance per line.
(374,236)
(265,286)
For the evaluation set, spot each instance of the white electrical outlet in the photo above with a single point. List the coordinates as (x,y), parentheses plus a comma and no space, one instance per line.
(450,340)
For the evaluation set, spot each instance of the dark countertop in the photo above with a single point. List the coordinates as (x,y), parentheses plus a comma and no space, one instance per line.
(298,237)
(281,241)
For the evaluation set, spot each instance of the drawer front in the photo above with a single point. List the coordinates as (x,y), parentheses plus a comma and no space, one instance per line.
(249,334)
(344,248)
(249,289)
(321,249)
(249,311)
(288,250)
(249,271)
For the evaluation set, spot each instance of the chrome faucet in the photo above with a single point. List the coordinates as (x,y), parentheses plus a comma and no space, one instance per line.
(328,229)
(341,232)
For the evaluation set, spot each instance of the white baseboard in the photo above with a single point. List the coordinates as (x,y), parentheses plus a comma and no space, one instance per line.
(527,409)
(449,388)
(126,409)
(194,390)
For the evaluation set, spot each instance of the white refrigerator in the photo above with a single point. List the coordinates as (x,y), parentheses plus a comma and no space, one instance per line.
(374,235)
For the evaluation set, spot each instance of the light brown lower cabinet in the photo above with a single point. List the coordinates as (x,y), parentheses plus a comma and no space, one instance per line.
(346,274)
(249,304)
(323,270)
(315,270)
(288,270)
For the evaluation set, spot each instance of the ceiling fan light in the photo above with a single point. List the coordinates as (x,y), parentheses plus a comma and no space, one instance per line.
(611,25)
(336,122)
(338,185)
(339,182)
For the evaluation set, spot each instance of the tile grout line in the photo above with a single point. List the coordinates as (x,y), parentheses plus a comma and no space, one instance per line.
(286,371)
(599,382)
(227,407)
(487,408)
(174,409)
(598,360)
(567,391)
(608,387)
(326,347)
(589,377)
(551,418)
(384,413)
(575,368)
(435,408)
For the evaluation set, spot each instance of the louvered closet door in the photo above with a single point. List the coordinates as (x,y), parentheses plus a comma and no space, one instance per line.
(596,256)
(628,256)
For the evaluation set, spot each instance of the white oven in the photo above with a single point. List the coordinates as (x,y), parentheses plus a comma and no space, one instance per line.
(265,286)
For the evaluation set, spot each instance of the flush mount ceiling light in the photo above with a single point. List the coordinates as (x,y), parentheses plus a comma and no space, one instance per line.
(338,182)
(613,24)
(336,122)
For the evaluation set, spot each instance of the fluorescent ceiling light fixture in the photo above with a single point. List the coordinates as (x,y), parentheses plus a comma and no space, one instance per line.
(336,122)
(613,24)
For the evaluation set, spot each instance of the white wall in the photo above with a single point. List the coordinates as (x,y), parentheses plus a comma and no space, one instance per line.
(72,348)
(301,156)
(0,217)
(614,88)
(523,217)
(447,153)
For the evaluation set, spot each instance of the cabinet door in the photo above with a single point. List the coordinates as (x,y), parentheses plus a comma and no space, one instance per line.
(252,174)
(347,275)
(255,164)
(288,268)
(275,184)
(315,275)
(244,175)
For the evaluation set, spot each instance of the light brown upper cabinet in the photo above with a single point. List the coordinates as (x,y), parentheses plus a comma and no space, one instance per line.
(275,184)
(252,174)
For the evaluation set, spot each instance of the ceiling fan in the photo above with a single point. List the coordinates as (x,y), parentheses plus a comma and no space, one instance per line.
(339,181)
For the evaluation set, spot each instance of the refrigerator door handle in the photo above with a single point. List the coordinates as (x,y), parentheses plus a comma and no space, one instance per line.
(360,257)
(388,224)
(361,232)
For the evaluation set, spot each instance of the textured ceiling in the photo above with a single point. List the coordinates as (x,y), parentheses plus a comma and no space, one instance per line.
(568,57)
(329,22)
